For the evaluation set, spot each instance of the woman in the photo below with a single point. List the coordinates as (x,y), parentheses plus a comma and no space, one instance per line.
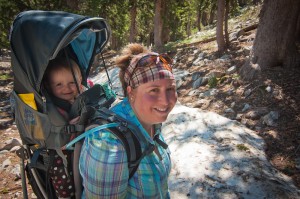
(149,86)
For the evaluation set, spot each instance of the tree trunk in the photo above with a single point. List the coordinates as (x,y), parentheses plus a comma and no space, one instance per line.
(188,26)
(298,29)
(242,3)
(158,24)
(73,4)
(198,20)
(256,2)
(212,14)
(275,39)
(133,13)
(199,14)
(226,23)
(274,44)
(220,19)
(204,19)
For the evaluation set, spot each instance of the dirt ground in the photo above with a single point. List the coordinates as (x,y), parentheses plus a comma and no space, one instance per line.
(282,140)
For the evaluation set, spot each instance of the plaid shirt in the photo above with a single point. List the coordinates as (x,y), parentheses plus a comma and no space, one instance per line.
(104,168)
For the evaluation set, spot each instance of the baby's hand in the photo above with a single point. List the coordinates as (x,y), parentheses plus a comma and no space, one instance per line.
(74,120)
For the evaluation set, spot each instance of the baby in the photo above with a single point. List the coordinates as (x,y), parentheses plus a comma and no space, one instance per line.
(63,88)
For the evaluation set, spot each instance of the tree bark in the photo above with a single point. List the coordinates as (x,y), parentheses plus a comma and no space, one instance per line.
(204,19)
(199,20)
(256,2)
(199,14)
(73,4)
(220,20)
(298,29)
(212,14)
(227,11)
(133,13)
(275,41)
(158,24)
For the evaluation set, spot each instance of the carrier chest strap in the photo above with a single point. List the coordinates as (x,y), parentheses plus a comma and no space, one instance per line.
(69,128)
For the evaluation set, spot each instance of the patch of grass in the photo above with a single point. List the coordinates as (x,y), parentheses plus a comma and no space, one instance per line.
(4,191)
(236,76)
(4,77)
(242,147)
(212,82)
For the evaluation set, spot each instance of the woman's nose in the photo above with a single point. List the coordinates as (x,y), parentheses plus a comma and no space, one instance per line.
(164,98)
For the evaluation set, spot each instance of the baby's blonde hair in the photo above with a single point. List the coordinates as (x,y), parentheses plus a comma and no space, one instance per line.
(59,64)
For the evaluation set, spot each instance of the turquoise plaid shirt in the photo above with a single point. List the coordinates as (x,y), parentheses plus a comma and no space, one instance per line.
(104,168)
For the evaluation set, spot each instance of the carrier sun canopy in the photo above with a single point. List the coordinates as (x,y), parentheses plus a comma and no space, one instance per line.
(38,36)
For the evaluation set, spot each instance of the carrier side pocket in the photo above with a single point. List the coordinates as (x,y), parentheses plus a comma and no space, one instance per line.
(34,127)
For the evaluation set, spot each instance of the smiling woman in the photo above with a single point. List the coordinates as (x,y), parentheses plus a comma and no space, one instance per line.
(150,95)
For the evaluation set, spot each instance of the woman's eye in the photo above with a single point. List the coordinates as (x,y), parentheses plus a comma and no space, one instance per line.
(155,90)
(171,89)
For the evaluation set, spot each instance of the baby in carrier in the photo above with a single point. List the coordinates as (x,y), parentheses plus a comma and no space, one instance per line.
(63,86)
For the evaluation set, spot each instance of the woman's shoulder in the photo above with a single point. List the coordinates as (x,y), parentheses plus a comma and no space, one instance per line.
(104,142)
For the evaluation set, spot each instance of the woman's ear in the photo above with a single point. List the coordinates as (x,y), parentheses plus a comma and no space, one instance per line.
(129,90)
(130,94)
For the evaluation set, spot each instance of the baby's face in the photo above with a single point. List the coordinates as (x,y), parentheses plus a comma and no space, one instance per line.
(62,85)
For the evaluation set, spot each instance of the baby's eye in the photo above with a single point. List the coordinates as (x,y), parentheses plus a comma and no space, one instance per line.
(58,85)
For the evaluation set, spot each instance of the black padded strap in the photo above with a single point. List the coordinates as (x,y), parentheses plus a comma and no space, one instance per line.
(160,142)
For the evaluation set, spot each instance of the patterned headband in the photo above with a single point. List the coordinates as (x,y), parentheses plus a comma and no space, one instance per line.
(148,67)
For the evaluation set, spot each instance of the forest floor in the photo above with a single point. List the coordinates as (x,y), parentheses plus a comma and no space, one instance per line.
(282,140)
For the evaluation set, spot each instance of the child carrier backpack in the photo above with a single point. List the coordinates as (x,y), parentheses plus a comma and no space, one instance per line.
(36,38)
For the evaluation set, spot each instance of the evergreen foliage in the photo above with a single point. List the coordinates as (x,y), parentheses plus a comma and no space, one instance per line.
(179,17)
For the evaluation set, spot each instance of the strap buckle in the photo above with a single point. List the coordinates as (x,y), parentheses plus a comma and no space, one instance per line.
(70,128)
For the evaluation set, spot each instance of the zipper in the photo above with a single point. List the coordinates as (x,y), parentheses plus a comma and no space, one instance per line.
(44,104)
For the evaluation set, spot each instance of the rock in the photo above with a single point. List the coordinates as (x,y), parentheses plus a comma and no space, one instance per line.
(268,89)
(200,82)
(193,92)
(202,103)
(232,105)
(16,171)
(246,107)
(239,116)
(196,75)
(270,118)
(33,196)
(229,110)
(246,50)
(247,92)
(209,93)
(15,148)
(9,144)
(297,162)
(217,74)
(231,70)
(6,163)
(256,114)
(217,157)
